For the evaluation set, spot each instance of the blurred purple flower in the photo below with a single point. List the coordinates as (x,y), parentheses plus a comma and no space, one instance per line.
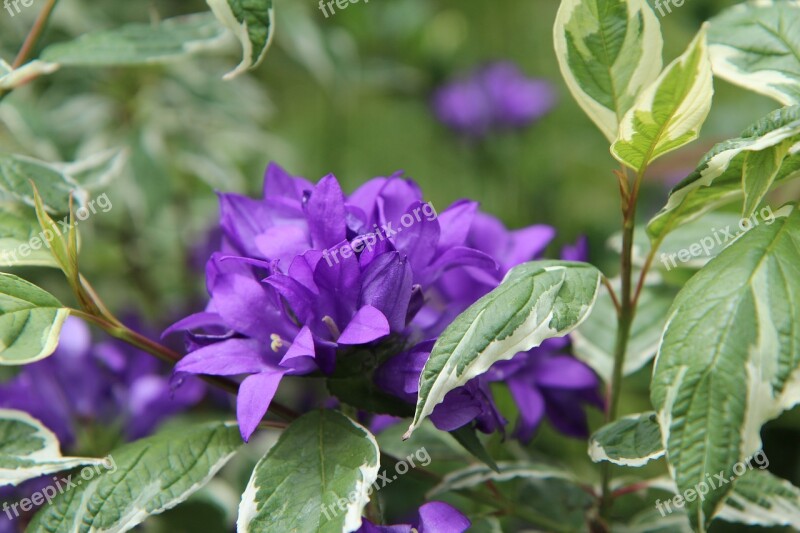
(106,383)
(433,517)
(496,97)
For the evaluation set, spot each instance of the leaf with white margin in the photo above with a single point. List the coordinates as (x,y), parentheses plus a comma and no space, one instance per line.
(762,499)
(756,45)
(728,360)
(11,78)
(323,458)
(17,229)
(97,170)
(593,342)
(476,475)
(536,301)
(253,24)
(148,477)
(652,521)
(608,51)
(670,112)
(55,186)
(29,450)
(30,321)
(634,440)
(717,180)
(759,172)
(139,44)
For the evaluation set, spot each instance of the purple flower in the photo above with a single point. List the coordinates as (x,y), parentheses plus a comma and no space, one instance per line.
(105,383)
(496,97)
(433,517)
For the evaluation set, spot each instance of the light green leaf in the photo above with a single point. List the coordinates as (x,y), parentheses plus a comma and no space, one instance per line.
(55,186)
(762,499)
(322,460)
(757,45)
(718,178)
(593,342)
(467,437)
(476,475)
(253,24)
(728,358)
(608,51)
(19,234)
(670,112)
(30,321)
(537,301)
(138,44)
(150,476)
(11,78)
(29,450)
(631,441)
(758,174)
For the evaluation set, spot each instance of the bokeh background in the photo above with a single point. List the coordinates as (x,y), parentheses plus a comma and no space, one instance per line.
(349,95)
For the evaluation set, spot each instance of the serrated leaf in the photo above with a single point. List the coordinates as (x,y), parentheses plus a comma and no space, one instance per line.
(138,44)
(608,51)
(30,321)
(17,230)
(728,359)
(17,172)
(630,441)
(718,178)
(593,342)
(476,475)
(756,45)
(151,475)
(321,458)
(29,450)
(252,22)
(670,112)
(758,174)
(762,499)
(537,301)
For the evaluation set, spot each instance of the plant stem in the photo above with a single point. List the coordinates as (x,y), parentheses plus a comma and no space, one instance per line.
(36,32)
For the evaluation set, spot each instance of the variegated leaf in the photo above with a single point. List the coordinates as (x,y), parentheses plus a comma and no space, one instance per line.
(253,24)
(608,50)
(670,112)
(537,301)
(756,45)
(11,78)
(728,360)
(718,178)
(631,441)
(762,499)
(476,475)
(759,172)
(29,450)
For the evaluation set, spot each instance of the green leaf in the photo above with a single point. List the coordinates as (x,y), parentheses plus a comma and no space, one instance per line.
(64,255)
(29,450)
(728,358)
(252,22)
(323,459)
(593,342)
(758,174)
(476,475)
(21,242)
(631,441)
(762,499)
(138,44)
(537,301)
(30,321)
(718,178)
(468,438)
(756,45)
(150,476)
(55,186)
(670,112)
(608,51)
(11,78)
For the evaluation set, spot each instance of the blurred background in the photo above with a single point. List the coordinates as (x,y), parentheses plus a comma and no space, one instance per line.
(350,94)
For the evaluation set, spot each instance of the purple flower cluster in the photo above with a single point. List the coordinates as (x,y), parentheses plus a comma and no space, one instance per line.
(433,517)
(496,97)
(104,383)
(284,303)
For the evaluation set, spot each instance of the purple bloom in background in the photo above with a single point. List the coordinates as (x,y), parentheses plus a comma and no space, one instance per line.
(106,383)
(496,97)
(433,517)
